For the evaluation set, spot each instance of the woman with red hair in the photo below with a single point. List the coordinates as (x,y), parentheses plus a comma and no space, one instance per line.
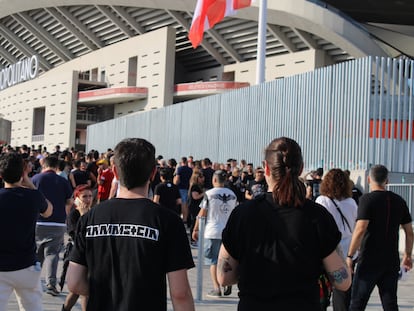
(83,203)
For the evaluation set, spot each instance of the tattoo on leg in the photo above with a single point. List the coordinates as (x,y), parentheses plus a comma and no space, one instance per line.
(338,276)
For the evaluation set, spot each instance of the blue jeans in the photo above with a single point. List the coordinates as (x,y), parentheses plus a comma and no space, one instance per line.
(49,240)
(366,278)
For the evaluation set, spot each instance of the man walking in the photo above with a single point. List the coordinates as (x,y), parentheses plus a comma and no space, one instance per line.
(166,193)
(50,231)
(217,205)
(380,214)
(19,209)
(182,180)
(125,247)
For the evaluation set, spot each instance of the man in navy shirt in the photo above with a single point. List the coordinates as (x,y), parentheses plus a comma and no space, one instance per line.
(19,208)
(50,232)
(182,180)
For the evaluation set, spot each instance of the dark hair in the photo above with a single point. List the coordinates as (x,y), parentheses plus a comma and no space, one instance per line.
(284,159)
(172,162)
(336,185)
(62,164)
(378,174)
(77,163)
(11,167)
(221,176)
(96,154)
(166,173)
(135,161)
(51,161)
(319,171)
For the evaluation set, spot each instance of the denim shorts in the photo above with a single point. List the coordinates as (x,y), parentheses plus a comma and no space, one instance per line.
(211,251)
(184,195)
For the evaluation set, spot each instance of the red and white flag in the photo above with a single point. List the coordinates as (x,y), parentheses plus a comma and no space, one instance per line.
(210,12)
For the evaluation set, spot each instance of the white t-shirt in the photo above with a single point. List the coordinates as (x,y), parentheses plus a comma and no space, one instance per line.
(349,210)
(219,203)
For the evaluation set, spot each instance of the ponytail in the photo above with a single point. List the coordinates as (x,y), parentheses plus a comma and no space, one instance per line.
(284,159)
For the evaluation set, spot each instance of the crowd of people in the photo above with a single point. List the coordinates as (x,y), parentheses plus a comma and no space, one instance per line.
(131,218)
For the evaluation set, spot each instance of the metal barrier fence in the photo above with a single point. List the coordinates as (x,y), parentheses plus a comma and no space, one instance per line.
(406,191)
(350,115)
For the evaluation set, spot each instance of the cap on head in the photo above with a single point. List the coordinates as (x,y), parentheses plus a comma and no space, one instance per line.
(102,161)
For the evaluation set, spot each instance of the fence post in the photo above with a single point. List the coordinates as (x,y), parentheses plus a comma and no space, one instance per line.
(200,257)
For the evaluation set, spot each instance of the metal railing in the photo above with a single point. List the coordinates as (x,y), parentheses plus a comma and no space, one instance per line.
(87,117)
(38,137)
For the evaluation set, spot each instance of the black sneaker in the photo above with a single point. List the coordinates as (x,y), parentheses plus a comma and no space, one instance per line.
(51,290)
(227,290)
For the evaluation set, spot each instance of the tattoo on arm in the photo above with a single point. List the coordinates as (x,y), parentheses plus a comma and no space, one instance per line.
(224,265)
(338,276)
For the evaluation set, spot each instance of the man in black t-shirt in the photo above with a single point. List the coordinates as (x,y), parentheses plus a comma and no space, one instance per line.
(166,193)
(125,247)
(380,214)
(257,186)
(207,173)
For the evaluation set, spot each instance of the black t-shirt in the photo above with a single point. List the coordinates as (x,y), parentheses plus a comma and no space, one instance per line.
(185,173)
(235,184)
(128,246)
(81,177)
(195,204)
(386,211)
(169,194)
(92,168)
(19,208)
(280,252)
(72,222)
(256,188)
(208,177)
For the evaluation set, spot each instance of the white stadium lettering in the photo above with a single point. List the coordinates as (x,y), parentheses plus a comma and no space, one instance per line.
(21,71)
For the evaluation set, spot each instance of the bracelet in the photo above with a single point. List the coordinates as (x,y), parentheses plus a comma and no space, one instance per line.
(350,256)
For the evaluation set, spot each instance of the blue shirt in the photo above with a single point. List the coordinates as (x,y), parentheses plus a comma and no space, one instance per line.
(57,190)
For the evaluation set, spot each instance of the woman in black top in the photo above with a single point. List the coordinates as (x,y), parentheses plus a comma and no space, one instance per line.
(195,195)
(275,246)
(83,203)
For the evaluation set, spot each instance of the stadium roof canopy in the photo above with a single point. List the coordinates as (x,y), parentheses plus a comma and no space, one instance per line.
(61,30)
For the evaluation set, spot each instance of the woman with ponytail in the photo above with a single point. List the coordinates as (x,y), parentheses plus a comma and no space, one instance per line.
(277,245)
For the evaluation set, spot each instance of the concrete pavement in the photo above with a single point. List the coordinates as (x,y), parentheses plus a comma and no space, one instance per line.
(405,296)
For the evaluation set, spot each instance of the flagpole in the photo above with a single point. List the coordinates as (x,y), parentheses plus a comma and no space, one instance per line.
(261,43)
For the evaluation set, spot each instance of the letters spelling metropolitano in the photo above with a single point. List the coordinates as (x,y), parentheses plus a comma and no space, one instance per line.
(21,71)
